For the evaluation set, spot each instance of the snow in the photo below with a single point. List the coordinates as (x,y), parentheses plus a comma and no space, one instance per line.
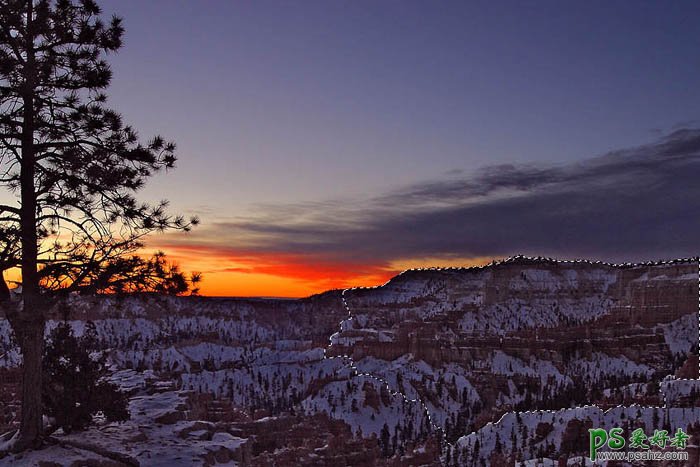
(347,400)
(142,439)
(504,364)
(681,335)
(509,426)
(674,389)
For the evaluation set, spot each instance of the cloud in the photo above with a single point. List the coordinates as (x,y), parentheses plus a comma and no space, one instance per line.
(633,204)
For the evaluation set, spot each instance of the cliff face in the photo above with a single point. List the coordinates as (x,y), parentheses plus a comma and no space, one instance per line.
(542,309)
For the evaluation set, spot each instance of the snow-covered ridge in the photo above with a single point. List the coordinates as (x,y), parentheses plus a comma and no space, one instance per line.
(534,434)
(522,293)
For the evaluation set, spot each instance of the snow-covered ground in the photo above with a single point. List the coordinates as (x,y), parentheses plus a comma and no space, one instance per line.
(461,351)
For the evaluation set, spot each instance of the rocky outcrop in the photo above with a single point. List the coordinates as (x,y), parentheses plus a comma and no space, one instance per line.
(557,308)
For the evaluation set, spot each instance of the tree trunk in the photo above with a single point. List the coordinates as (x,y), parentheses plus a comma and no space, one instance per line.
(4,290)
(29,323)
(31,345)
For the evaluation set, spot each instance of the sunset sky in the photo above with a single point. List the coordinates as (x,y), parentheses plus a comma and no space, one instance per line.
(334,143)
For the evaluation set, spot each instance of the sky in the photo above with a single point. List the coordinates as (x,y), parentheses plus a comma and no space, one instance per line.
(335,143)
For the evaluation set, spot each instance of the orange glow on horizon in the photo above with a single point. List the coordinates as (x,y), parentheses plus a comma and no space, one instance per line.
(228,272)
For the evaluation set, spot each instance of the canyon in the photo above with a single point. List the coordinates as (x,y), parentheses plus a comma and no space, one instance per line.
(494,365)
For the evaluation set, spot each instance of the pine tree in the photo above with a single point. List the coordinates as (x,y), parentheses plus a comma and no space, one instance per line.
(72,164)
(75,386)
(384,441)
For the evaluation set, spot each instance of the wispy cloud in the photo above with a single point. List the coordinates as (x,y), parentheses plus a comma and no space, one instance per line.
(635,203)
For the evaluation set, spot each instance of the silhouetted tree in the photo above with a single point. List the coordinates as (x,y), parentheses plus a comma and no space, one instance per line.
(73,165)
(119,274)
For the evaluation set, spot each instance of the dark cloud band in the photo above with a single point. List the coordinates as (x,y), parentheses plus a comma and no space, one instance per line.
(633,204)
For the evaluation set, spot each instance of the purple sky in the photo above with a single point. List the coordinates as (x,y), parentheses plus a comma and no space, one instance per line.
(295,112)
